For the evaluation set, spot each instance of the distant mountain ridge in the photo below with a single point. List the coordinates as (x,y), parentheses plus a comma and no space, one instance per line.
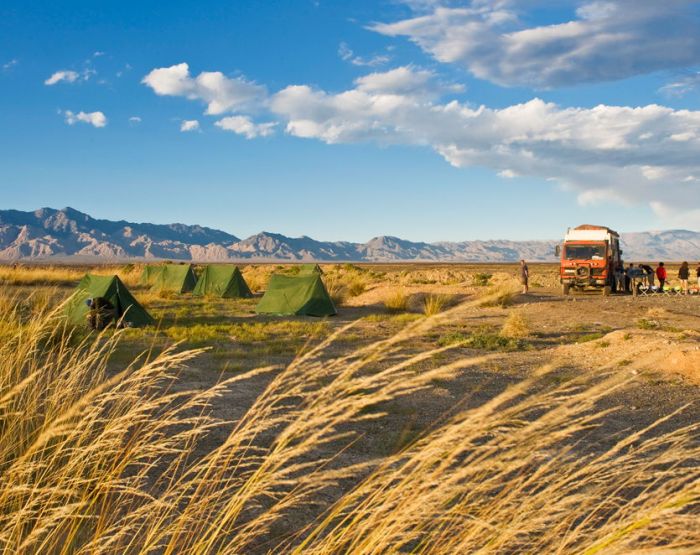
(53,234)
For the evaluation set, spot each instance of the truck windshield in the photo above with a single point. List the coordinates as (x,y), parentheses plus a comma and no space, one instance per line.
(584,252)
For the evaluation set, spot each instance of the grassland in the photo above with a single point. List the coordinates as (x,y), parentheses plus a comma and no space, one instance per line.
(439,412)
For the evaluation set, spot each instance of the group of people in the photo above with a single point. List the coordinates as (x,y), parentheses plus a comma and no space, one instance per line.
(645,276)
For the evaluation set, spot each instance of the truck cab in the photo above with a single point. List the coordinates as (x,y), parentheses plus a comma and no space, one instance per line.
(588,258)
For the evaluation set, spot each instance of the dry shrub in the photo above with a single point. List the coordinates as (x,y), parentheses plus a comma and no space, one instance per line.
(435,303)
(656,312)
(516,326)
(336,289)
(356,287)
(397,301)
(257,277)
(502,295)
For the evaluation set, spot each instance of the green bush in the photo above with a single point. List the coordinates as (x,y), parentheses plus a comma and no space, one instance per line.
(481,279)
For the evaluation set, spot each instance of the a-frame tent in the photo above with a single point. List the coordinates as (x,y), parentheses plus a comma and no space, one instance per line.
(303,294)
(222,280)
(310,269)
(150,273)
(110,288)
(178,278)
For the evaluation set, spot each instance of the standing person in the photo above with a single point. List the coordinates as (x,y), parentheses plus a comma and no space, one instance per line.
(683,275)
(697,274)
(524,276)
(629,273)
(620,277)
(661,275)
(649,274)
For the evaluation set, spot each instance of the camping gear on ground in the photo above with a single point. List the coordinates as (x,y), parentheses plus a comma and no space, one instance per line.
(177,278)
(310,269)
(101,313)
(302,294)
(111,290)
(222,280)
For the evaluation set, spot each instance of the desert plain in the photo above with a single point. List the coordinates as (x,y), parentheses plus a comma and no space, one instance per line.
(441,411)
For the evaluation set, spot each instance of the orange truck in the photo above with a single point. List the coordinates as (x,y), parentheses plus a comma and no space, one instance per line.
(588,258)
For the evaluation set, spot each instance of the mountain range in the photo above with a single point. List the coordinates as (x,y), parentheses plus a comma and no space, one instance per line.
(50,234)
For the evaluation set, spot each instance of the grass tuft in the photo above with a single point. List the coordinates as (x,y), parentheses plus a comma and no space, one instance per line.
(434,304)
(516,326)
(397,301)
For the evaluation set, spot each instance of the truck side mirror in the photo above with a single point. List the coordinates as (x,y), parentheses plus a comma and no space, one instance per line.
(557,251)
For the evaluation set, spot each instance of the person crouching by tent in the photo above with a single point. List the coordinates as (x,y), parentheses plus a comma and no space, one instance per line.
(661,275)
(101,313)
(683,276)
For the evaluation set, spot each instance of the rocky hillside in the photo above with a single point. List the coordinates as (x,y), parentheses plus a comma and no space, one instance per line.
(68,233)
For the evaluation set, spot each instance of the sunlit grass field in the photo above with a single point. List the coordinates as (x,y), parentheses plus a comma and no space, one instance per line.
(438,413)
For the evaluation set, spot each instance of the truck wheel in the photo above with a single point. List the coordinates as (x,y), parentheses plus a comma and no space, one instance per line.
(607,290)
(565,288)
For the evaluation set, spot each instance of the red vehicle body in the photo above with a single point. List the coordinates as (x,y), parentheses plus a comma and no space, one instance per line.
(589,256)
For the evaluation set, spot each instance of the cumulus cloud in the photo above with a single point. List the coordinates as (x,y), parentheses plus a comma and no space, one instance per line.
(407,81)
(189,125)
(607,40)
(66,76)
(346,54)
(134,120)
(243,125)
(604,153)
(96,119)
(7,66)
(220,93)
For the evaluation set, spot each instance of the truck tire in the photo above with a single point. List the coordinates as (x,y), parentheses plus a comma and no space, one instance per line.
(565,288)
(607,290)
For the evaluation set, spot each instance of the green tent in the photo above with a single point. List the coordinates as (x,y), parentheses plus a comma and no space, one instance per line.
(303,294)
(150,274)
(222,280)
(178,278)
(113,290)
(310,269)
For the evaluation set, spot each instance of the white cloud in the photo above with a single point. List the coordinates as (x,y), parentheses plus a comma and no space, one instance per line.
(681,86)
(243,125)
(603,153)
(220,93)
(607,40)
(135,120)
(9,65)
(346,54)
(98,54)
(67,76)
(401,80)
(96,119)
(189,125)
(507,174)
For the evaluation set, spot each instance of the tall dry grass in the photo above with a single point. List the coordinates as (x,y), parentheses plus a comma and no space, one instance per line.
(38,275)
(96,459)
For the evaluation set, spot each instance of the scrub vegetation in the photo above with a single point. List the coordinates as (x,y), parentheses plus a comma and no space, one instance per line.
(457,422)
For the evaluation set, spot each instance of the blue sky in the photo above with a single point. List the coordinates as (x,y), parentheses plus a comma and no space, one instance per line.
(423,119)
